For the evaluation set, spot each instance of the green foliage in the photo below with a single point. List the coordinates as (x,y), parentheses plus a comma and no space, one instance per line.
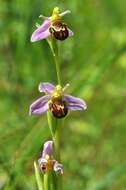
(94,63)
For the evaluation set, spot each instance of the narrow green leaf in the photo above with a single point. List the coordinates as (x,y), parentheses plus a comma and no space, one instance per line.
(38,177)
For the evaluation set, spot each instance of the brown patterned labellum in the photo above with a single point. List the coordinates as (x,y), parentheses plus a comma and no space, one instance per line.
(58,107)
(59,30)
(47,166)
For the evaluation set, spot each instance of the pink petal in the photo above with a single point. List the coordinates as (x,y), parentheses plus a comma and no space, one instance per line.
(41,32)
(40,110)
(47,149)
(39,106)
(70,32)
(46,87)
(75,103)
(58,168)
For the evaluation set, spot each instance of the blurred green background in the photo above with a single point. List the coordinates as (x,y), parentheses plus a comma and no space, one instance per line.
(93,61)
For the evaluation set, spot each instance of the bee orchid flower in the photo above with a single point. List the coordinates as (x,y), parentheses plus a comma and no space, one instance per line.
(46,162)
(52,26)
(55,100)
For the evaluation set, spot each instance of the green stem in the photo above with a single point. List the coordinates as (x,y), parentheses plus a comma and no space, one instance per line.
(46,181)
(55,52)
(55,132)
(53,122)
(57,141)
(56,59)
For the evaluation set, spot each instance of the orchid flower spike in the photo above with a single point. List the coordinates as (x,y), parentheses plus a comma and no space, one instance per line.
(55,100)
(52,26)
(46,162)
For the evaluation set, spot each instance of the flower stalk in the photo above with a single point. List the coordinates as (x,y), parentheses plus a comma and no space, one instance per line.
(55,52)
(55,102)
(46,181)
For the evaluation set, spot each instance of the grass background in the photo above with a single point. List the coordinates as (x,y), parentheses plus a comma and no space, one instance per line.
(93,61)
